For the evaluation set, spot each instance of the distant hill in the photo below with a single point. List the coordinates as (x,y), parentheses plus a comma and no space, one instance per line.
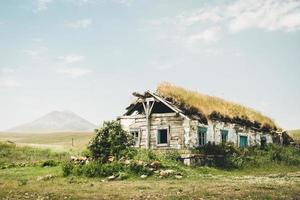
(56,121)
(295,134)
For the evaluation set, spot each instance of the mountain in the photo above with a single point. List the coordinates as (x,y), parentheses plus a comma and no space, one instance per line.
(56,121)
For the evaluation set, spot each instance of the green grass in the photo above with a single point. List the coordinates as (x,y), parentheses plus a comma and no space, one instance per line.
(206,104)
(19,183)
(276,181)
(13,156)
(295,134)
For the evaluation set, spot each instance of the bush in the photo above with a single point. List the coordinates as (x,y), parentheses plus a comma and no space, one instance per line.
(49,163)
(139,169)
(172,155)
(68,168)
(110,140)
(93,169)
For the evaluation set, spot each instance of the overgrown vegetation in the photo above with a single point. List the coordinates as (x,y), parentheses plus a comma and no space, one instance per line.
(144,162)
(13,156)
(111,155)
(110,140)
(273,173)
(214,108)
(252,157)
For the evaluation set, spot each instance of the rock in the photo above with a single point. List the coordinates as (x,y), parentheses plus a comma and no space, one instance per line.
(73,158)
(155,164)
(178,176)
(165,173)
(140,162)
(110,178)
(144,176)
(111,158)
(45,178)
(127,162)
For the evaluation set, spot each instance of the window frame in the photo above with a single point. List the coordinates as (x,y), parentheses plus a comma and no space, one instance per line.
(200,136)
(222,131)
(168,136)
(138,141)
(247,140)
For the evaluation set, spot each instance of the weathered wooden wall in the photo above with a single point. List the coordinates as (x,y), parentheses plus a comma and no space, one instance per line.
(183,132)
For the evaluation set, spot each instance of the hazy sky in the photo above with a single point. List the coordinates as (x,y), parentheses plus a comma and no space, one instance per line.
(88,56)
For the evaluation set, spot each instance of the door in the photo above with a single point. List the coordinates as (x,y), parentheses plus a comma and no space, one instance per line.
(243,141)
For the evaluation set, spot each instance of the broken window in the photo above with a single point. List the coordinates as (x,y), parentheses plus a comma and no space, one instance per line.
(162,136)
(263,141)
(224,136)
(202,131)
(135,136)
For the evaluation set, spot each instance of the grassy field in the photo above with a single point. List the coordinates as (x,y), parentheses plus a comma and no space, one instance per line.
(54,141)
(295,134)
(27,178)
(24,183)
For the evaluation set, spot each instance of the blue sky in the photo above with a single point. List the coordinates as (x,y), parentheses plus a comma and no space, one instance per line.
(88,56)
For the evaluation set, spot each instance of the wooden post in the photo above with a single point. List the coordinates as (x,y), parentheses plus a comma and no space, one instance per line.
(72,142)
(148,108)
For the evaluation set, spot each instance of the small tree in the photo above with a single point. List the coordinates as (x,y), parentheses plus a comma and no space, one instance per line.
(110,140)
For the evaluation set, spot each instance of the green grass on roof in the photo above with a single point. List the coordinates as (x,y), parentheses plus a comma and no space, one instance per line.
(206,104)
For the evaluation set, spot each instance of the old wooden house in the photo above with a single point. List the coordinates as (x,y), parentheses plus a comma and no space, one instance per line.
(157,122)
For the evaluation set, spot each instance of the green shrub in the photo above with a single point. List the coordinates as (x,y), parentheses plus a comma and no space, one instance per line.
(172,155)
(92,169)
(110,140)
(139,169)
(67,168)
(49,163)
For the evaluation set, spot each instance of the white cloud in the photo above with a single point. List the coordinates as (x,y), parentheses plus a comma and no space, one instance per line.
(212,34)
(269,15)
(73,72)
(42,5)
(8,82)
(71,58)
(80,24)
(209,24)
(7,70)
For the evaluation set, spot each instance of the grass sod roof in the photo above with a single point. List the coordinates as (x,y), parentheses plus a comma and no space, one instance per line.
(215,108)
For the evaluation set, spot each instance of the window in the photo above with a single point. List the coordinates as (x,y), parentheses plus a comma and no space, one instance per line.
(243,141)
(263,141)
(135,136)
(202,131)
(224,136)
(162,136)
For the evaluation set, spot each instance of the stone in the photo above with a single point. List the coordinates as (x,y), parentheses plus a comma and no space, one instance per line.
(178,176)
(144,176)
(45,178)
(165,173)
(110,178)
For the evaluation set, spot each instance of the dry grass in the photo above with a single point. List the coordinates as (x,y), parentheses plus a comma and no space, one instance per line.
(206,104)
(295,134)
(54,141)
